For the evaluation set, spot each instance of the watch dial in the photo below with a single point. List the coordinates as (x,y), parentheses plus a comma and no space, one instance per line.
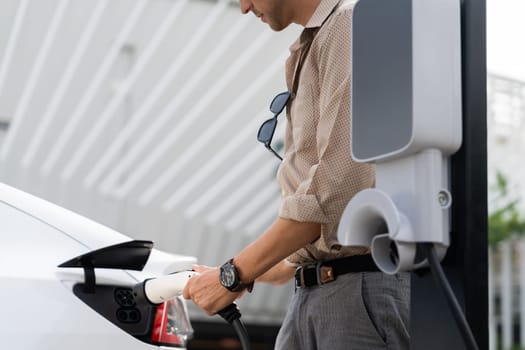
(228,277)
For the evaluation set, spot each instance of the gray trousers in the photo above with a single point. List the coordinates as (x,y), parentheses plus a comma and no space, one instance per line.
(358,311)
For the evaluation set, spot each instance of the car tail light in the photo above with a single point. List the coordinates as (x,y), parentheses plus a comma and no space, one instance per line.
(171,325)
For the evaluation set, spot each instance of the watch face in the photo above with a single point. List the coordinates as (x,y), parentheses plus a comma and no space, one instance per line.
(228,277)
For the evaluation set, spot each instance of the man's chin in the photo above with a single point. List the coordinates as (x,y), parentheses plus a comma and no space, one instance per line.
(277,27)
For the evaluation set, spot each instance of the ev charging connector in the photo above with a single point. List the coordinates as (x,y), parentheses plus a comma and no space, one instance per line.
(406,118)
(157,290)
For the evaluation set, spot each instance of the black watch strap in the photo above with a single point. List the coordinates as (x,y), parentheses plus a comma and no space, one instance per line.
(241,286)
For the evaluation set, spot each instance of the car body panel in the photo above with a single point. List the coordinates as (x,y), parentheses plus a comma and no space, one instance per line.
(38,307)
(44,314)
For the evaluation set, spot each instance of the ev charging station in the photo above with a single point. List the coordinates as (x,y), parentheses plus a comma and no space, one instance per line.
(419,114)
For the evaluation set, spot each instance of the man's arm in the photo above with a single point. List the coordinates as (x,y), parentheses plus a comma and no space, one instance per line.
(280,240)
(278,274)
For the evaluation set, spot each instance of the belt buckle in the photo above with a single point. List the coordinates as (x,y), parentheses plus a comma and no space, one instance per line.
(324,274)
(299,275)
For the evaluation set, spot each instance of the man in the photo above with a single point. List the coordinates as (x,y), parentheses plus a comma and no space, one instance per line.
(341,301)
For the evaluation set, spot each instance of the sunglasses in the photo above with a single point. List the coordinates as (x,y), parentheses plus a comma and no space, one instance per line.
(267,129)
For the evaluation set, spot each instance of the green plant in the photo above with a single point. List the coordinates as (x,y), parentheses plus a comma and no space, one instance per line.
(505,219)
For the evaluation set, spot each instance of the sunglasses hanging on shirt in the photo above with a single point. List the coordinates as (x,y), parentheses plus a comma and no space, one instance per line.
(267,129)
(280,101)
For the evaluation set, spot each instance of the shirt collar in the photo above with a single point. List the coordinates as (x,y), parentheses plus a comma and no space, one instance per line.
(323,10)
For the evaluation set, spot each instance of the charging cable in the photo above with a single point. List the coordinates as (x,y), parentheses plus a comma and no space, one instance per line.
(441,280)
(232,315)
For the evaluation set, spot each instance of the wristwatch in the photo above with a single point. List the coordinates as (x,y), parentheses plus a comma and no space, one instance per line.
(229,278)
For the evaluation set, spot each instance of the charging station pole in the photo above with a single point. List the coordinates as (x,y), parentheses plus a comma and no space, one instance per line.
(466,262)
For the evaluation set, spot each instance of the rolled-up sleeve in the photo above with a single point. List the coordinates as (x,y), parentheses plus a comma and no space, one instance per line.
(302,207)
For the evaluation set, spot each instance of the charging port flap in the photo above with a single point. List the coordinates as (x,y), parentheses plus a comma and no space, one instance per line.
(131,255)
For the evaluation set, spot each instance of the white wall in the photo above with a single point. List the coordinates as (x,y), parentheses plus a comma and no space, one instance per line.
(143,116)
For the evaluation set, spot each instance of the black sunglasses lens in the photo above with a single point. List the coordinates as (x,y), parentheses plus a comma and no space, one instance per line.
(279,102)
(266,130)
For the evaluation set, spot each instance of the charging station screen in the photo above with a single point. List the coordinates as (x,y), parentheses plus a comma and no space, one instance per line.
(381,77)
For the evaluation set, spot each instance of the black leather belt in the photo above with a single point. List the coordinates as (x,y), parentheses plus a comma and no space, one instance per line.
(321,272)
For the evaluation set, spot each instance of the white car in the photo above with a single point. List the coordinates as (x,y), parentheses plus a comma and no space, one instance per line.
(66,283)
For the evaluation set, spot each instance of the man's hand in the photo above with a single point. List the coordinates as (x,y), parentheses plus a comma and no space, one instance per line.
(207,292)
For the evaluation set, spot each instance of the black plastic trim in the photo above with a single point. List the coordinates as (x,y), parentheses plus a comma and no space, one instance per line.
(131,255)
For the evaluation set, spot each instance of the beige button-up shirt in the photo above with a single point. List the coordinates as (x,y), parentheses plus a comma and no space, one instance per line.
(318,176)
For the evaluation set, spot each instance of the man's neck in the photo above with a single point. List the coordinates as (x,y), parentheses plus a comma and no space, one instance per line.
(304,10)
